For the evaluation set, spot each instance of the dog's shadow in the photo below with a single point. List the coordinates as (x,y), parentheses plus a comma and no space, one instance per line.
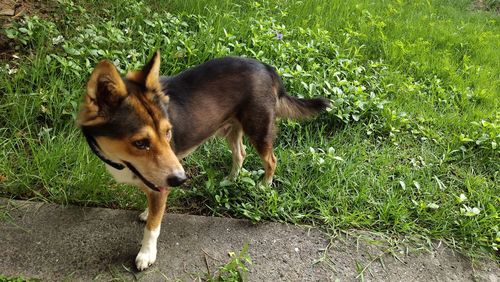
(184,245)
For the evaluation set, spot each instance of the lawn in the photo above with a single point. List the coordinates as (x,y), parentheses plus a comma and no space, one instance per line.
(410,146)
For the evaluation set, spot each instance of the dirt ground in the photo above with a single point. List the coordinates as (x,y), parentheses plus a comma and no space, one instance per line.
(483,5)
(13,10)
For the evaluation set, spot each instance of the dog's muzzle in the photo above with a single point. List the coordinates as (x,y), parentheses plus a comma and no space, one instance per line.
(176,178)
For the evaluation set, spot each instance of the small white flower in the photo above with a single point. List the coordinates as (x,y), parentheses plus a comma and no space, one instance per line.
(403,185)
(468,211)
(433,206)
(462,198)
(57,40)
(417,185)
(321,161)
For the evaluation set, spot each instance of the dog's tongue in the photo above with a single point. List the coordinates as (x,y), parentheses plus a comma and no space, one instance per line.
(162,189)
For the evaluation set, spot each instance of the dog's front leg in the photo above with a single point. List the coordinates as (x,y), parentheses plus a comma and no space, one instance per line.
(156,209)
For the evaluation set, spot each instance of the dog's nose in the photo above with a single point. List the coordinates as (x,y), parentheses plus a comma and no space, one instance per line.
(176,178)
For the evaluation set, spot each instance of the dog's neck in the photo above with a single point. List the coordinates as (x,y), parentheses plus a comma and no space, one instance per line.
(95,149)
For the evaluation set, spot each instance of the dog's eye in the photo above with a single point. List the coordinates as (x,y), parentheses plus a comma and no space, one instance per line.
(142,144)
(169,134)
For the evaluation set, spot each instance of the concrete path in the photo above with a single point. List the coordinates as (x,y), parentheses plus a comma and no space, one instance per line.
(52,242)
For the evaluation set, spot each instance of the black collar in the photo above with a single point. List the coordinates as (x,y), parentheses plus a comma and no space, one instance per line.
(142,178)
(97,151)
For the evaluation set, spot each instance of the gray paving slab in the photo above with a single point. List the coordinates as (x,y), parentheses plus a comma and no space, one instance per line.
(55,243)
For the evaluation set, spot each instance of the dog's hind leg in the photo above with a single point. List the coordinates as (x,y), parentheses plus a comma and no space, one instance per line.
(268,158)
(156,209)
(235,140)
(260,129)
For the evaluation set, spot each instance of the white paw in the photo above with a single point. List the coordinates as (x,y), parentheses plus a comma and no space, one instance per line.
(144,259)
(143,216)
(147,254)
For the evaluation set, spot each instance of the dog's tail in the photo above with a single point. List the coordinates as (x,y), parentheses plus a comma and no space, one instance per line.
(299,108)
(293,107)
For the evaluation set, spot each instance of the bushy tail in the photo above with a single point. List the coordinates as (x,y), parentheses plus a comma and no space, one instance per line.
(298,108)
(293,107)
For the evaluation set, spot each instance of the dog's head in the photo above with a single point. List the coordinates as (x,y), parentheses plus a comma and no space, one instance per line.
(128,121)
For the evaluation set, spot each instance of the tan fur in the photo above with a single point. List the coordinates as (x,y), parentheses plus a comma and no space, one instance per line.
(269,160)
(157,203)
(234,137)
(283,109)
(155,164)
(105,71)
(148,76)
(293,108)
(152,115)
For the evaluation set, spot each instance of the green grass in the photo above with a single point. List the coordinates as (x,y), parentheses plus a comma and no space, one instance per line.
(410,146)
(16,279)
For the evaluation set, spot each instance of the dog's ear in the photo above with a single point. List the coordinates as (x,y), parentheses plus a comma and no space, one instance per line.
(105,90)
(149,76)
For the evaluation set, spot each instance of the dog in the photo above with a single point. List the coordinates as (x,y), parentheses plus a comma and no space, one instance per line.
(141,125)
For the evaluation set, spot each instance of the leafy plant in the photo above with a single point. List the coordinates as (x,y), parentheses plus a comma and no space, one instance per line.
(234,270)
